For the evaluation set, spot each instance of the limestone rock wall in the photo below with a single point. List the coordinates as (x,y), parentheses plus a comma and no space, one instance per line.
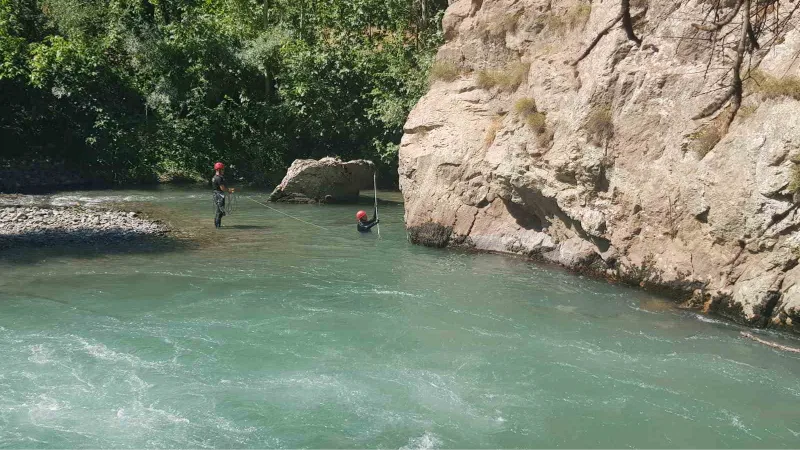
(616,182)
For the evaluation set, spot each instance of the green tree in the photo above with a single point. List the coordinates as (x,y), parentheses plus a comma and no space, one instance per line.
(130,88)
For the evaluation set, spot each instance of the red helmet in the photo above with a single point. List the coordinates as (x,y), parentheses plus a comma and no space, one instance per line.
(219,166)
(360,215)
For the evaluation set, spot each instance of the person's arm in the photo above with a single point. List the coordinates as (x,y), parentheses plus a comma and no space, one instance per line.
(222,186)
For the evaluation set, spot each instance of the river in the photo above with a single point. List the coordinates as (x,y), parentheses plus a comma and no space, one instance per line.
(275,333)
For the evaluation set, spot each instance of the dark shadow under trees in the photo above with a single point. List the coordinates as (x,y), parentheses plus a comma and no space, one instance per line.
(34,247)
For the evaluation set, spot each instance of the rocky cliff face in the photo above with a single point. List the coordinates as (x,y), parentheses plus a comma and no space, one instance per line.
(602,166)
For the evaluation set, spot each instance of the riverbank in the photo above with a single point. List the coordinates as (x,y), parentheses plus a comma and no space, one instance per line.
(48,225)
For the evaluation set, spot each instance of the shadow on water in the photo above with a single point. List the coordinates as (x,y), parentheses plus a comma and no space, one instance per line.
(32,248)
(246,227)
(87,186)
(369,201)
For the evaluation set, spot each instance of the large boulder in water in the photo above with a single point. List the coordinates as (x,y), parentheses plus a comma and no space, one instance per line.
(329,179)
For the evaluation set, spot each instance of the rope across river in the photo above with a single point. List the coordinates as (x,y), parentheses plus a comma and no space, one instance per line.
(375,192)
(287,215)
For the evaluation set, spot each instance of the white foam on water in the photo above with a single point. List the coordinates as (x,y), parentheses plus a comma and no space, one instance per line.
(137,420)
(424,442)
(14,438)
(685,414)
(794,433)
(648,336)
(226,425)
(48,403)
(736,422)
(170,417)
(137,384)
(70,200)
(701,337)
(102,352)
(400,293)
(482,332)
(312,309)
(389,292)
(707,319)
(794,392)
(45,409)
(643,310)
(39,355)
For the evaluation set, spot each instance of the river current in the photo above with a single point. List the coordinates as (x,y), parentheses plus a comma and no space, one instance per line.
(274,333)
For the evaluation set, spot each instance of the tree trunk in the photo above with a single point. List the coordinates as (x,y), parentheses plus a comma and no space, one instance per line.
(267,72)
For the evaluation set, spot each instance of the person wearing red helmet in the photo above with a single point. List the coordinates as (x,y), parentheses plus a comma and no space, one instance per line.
(218,184)
(364,224)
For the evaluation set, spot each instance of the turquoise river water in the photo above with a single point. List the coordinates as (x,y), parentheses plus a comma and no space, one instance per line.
(274,333)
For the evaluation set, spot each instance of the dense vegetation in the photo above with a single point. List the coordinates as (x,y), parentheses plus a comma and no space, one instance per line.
(131,88)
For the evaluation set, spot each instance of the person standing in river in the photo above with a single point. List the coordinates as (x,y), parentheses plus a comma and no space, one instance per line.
(364,224)
(218,184)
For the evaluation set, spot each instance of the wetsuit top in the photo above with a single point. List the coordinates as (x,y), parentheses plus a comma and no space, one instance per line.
(366,227)
(218,181)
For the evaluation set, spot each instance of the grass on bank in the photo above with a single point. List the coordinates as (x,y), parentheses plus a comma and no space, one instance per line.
(710,134)
(444,71)
(505,79)
(491,131)
(747,110)
(536,120)
(794,177)
(772,87)
(526,109)
(767,86)
(525,106)
(705,139)
(502,24)
(600,124)
(562,22)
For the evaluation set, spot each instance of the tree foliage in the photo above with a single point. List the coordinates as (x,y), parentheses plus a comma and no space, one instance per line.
(131,88)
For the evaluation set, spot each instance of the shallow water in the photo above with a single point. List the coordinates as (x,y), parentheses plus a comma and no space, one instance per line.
(273,333)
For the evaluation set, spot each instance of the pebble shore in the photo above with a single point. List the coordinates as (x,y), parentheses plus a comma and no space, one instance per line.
(73,224)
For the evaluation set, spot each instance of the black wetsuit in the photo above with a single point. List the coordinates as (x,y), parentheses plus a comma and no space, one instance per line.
(366,227)
(219,199)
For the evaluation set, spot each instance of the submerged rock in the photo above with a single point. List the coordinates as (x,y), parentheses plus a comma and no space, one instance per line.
(324,180)
(602,165)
